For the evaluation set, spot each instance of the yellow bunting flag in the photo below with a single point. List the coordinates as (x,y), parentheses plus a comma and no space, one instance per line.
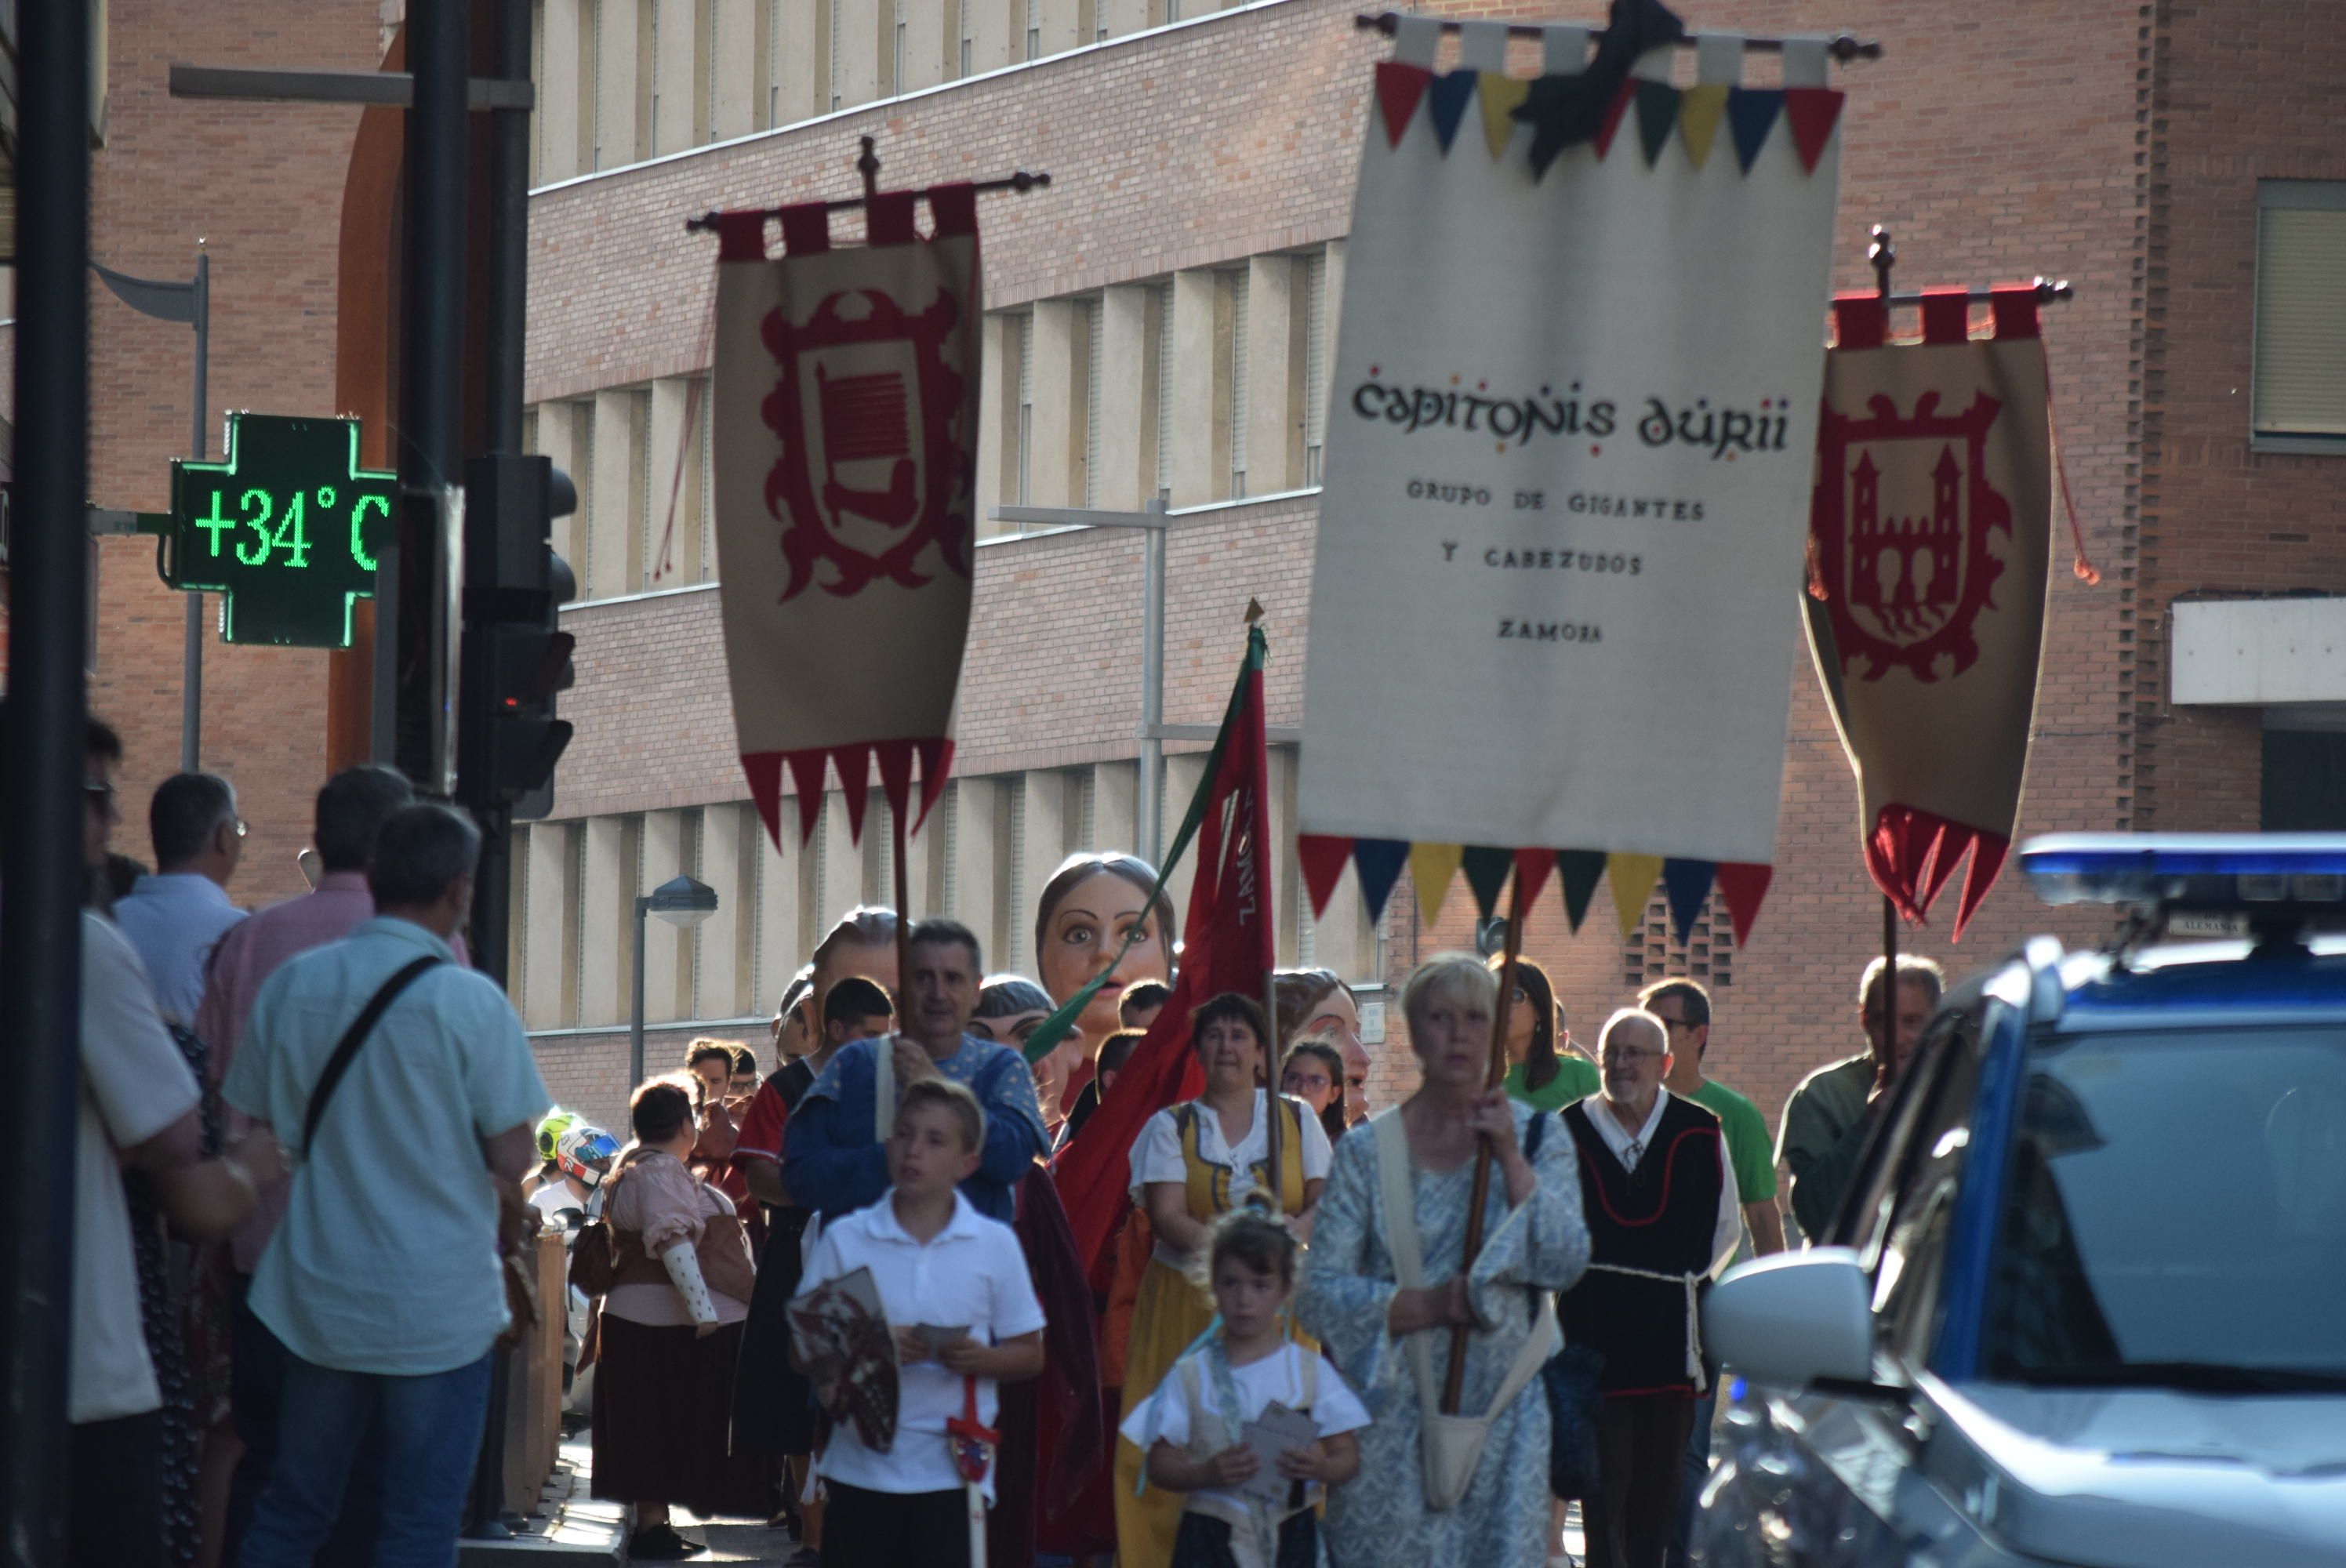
(1632,878)
(1433,867)
(1500,96)
(1700,108)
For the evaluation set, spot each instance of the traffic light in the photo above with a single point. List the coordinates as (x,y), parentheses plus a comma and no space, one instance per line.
(516,656)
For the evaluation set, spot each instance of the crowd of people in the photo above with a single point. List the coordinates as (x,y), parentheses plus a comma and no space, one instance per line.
(1305,1343)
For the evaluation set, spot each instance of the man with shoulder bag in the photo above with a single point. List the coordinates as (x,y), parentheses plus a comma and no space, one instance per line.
(394,1076)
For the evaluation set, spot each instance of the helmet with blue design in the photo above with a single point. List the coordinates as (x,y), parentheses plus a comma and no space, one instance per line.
(586,1152)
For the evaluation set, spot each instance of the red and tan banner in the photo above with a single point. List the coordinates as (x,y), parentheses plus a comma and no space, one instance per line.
(845,430)
(1930,536)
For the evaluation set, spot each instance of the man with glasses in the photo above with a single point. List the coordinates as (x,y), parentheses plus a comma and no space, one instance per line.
(1684,1008)
(1660,1194)
(176,916)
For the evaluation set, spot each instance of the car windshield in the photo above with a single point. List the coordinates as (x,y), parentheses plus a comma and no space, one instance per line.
(2176,1212)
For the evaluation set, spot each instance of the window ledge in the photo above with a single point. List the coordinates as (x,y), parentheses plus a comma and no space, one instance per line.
(2303,445)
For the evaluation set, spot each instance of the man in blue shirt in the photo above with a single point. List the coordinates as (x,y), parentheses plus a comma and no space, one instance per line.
(834,1160)
(383,1282)
(176,916)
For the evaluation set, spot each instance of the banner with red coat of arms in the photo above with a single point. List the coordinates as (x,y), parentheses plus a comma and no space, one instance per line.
(845,431)
(1930,534)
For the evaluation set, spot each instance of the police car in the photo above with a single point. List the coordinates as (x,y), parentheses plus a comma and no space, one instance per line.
(2086,1301)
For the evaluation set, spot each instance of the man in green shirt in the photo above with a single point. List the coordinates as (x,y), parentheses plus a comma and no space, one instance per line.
(1828,1118)
(1684,1008)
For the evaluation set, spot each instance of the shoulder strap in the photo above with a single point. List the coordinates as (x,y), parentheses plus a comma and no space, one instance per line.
(353,1038)
(1311,1359)
(1396,1197)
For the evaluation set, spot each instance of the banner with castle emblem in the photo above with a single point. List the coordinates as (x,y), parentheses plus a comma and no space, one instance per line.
(1569,442)
(843,433)
(1930,534)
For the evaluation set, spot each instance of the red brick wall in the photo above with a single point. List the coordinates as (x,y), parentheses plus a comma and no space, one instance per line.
(2244,92)
(2002,144)
(262,185)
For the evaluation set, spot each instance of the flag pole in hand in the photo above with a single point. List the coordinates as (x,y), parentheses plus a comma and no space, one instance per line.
(1453,1386)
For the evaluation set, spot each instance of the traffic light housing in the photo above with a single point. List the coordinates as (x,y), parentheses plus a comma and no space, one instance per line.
(516,657)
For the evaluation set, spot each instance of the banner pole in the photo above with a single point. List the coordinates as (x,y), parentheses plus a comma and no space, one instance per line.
(1453,1385)
(904,913)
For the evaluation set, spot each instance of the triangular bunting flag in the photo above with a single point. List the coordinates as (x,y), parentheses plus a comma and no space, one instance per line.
(1446,100)
(1431,867)
(806,775)
(1700,108)
(854,764)
(1486,873)
(1399,87)
(1322,860)
(1633,877)
(1657,111)
(1612,120)
(1750,116)
(895,759)
(1532,867)
(1687,882)
(1813,111)
(936,765)
(1379,861)
(1500,97)
(1741,886)
(765,774)
(1581,870)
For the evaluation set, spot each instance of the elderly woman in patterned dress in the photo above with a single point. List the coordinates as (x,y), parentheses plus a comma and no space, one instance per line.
(1533,1243)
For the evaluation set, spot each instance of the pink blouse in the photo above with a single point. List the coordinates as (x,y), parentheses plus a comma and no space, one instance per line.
(665,1204)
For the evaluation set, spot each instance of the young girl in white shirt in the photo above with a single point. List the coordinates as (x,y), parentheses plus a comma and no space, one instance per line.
(1193,1427)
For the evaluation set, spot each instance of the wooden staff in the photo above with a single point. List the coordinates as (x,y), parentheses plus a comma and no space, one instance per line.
(1453,1386)
(903,914)
(1270,1082)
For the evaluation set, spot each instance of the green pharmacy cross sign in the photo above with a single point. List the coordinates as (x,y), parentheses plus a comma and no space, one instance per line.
(285,530)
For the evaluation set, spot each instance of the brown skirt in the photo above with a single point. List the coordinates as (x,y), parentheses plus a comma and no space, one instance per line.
(663,1400)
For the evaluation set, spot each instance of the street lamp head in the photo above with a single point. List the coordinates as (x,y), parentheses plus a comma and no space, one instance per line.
(682,901)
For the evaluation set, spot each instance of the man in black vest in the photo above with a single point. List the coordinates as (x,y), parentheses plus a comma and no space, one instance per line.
(1660,1201)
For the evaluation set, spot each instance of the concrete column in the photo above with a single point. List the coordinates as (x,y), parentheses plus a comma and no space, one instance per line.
(565,106)
(1061,353)
(1044,803)
(997,418)
(977,885)
(802,61)
(1122,17)
(840,869)
(863,51)
(668,450)
(679,67)
(623,58)
(988,24)
(1059,23)
(726,964)
(1201,388)
(1335,287)
(1286,883)
(1341,940)
(740,52)
(1182,775)
(606,940)
(1277,324)
(1128,396)
(1115,807)
(614,548)
(668,950)
(932,46)
(782,941)
(550,946)
(557,440)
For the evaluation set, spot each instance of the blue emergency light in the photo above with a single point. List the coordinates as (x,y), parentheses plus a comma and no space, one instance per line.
(2191,871)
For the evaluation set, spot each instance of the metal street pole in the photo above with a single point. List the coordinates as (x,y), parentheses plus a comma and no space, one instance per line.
(190,302)
(41,775)
(1153,521)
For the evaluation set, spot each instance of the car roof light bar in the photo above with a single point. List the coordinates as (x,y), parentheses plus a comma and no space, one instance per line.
(2196,871)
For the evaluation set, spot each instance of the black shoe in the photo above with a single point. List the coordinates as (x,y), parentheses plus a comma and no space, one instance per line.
(661,1543)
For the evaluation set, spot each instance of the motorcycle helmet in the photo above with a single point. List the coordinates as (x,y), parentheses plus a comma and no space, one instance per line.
(550,1131)
(586,1152)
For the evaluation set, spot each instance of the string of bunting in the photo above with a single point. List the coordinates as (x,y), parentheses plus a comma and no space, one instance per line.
(1687,884)
(1696,113)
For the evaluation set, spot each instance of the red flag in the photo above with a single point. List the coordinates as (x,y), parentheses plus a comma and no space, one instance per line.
(1226,945)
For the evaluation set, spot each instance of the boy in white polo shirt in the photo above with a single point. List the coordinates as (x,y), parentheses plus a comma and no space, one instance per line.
(936,1262)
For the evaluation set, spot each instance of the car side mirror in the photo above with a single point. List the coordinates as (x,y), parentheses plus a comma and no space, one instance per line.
(1794,1319)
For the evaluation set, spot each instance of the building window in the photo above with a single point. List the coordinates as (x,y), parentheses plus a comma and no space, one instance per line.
(1238,282)
(1165,393)
(1026,453)
(1095,324)
(2300,335)
(2304,782)
(1315,363)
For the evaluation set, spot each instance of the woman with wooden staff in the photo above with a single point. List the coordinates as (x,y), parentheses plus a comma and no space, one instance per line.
(1395,1270)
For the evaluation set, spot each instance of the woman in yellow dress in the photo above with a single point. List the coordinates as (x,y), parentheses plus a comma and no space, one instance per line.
(1193,1162)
